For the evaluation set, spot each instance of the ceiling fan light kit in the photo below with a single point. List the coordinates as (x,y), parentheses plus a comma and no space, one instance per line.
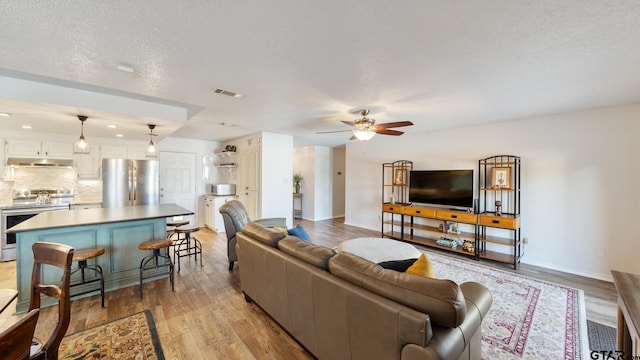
(81,146)
(366,128)
(364,135)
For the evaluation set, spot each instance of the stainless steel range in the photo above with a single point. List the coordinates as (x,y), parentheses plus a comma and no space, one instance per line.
(28,203)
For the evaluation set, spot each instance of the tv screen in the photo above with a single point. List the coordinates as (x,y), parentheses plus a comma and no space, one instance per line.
(442,187)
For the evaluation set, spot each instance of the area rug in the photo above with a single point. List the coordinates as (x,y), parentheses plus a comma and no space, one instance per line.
(132,337)
(529,318)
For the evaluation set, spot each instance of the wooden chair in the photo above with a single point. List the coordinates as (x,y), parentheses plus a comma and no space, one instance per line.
(60,256)
(15,342)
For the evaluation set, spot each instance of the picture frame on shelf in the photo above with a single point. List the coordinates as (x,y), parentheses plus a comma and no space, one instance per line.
(400,177)
(501,178)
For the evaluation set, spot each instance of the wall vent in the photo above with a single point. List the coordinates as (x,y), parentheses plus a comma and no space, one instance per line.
(227,92)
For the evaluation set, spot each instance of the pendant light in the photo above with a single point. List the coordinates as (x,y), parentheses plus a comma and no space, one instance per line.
(81,146)
(151,148)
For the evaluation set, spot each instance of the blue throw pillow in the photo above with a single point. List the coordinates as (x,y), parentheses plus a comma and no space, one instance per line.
(300,232)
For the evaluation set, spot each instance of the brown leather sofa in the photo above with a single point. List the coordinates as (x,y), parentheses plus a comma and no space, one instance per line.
(341,306)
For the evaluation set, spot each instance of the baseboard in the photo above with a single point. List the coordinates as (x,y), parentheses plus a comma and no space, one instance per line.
(545,265)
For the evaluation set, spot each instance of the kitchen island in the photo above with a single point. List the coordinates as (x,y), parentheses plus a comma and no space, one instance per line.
(117,230)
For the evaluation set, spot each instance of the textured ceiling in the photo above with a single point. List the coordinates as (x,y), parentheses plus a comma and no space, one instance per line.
(303,66)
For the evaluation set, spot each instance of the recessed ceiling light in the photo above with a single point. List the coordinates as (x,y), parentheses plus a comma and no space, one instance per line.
(126,68)
(119,135)
(26,126)
(4,114)
(111,126)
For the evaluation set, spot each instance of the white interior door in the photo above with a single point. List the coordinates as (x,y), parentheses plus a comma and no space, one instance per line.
(177,180)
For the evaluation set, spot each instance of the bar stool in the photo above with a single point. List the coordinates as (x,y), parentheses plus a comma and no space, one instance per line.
(174,225)
(171,232)
(156,245)
(81,256)
(187,247)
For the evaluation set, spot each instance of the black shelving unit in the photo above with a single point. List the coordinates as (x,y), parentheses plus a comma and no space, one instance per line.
(499,179)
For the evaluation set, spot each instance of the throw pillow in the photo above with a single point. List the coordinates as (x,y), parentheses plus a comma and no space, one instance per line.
(281,230)
(300,232)
(398,265)
(422,267)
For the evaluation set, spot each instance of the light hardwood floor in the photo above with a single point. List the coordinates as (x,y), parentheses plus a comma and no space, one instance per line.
(207,317)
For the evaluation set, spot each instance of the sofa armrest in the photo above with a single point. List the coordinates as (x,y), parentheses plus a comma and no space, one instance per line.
(478,295)
(271,222)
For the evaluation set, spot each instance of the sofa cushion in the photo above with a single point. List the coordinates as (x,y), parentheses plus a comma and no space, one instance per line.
(398,265)
(263,234)
(316,255)
(422,267)
(282,230)
(300,232)
(441,299)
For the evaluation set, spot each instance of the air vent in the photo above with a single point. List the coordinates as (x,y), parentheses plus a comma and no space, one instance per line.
(227,92)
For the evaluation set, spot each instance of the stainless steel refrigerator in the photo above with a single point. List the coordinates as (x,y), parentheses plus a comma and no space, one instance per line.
(130,182)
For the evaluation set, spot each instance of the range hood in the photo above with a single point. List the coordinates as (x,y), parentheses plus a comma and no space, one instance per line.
(39,162)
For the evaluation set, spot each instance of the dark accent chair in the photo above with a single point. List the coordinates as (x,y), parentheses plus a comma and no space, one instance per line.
(235,217)
(15,342)
(60,256)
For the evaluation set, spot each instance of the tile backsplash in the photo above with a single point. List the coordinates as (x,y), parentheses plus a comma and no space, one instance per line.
(51,178)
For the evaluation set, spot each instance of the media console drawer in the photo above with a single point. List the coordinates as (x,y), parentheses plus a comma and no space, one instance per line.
(418,211)
(507,222)
(392,208)
(456,216)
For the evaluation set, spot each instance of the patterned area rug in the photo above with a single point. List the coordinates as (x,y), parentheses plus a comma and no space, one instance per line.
(132,337)
(529,318)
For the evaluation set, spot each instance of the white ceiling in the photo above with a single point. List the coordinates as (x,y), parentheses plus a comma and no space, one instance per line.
(305,65)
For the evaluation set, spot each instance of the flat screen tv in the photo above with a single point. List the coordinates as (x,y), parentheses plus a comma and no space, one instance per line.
(452,188)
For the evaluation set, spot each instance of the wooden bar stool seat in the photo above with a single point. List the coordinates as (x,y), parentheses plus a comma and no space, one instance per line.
(156,245)
(174,225)
(81,256)
(189,245)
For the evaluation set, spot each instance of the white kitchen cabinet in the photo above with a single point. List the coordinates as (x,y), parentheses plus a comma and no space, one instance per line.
(212,217)
(249,198)
(87,166)
(39,149)
(113,152)
(248,170)
(137,152)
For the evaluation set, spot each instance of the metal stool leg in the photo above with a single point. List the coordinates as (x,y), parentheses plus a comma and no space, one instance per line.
(82,266)
(156,254)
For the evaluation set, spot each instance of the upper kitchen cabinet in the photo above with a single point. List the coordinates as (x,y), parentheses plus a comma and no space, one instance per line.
(248,170)
(39,149)
(87,166)
(113,152)
(137,152)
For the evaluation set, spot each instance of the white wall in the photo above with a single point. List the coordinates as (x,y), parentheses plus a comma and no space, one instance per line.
(315,163)
(304,163)
(580,182)
(338,169)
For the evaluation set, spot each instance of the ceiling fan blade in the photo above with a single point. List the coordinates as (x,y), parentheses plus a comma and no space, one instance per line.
(350,123)
(329,132)
(394,124)
(389,132)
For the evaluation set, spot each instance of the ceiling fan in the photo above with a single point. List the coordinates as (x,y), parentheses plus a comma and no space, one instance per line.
(366,128)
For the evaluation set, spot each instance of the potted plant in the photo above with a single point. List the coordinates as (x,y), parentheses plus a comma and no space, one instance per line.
(297,179)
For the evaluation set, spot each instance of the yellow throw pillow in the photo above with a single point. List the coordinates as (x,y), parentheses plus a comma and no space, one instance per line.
(282,230)
(422,267)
